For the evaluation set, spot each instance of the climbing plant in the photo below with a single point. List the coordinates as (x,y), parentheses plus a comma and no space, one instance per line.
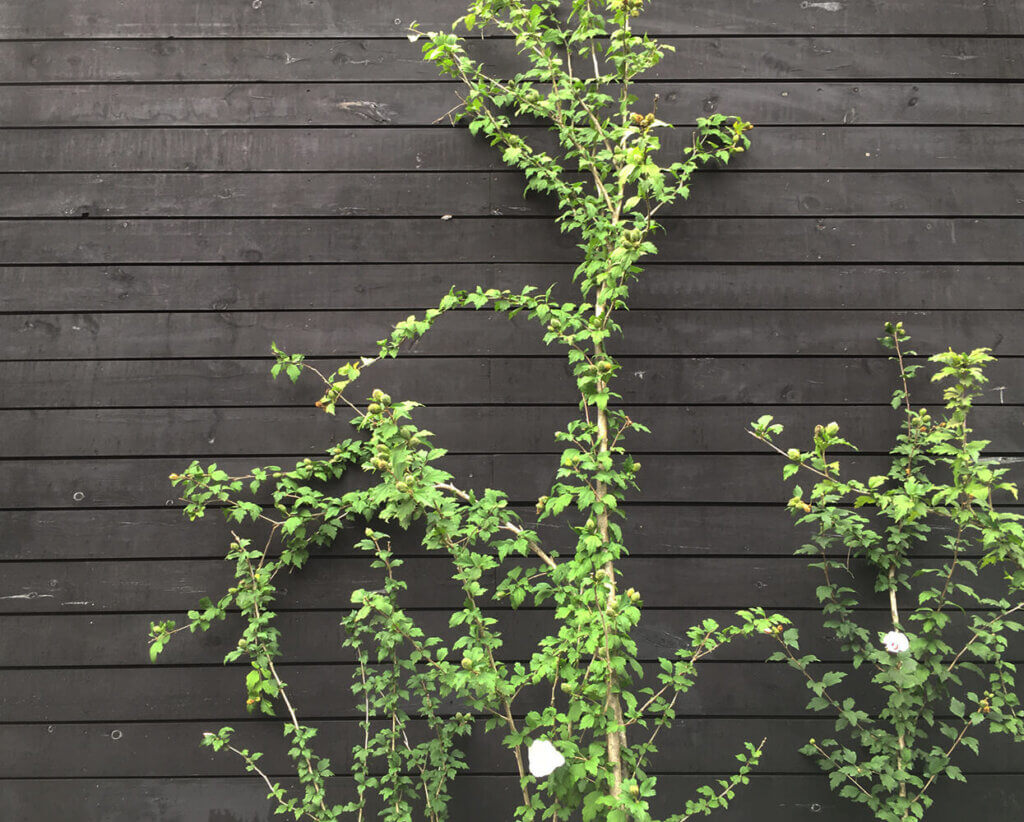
(941,664)
(581,718)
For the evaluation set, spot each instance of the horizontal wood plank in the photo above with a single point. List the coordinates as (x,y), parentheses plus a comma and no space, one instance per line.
(98,288)
(499,239)
(142,482)
(678,530)
(391,18)
(479,380)
(352,334)
(379,60)
(163,533)
(482,194)
(802,798)
(117,148)
(217,694)
(461,429)
(87,640)
(327,582)
(170,750)
(425,104)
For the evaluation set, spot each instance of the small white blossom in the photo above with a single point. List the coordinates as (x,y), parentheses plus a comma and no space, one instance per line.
(895,642)
(544,758)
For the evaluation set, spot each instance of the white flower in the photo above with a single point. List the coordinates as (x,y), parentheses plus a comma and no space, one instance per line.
(544,758)
(895,642)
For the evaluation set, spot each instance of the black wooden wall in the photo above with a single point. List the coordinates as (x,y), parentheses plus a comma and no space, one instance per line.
(183,182)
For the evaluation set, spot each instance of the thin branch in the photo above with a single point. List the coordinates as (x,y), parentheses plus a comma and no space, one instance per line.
(977,633)
(730,786)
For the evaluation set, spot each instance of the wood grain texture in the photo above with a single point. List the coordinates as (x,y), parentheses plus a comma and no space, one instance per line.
(472,333)
(424,104)
(327,583)
(213,694)
(169,750)
(755,381)
(183,182)
(90,640)
(379,60)
(482,194)
(391,18)
(802,798)
(142,481)
(497,239)
(228,288)
(682,529)
(112,147)
(461,429)
(163,533)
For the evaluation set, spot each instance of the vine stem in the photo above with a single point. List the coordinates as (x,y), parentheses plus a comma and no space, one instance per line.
(977,633)
(901,737)
(831,759)
(508,526)
(949,752)
(730,784)
(283,691)
(893,607)
(251,763)
(366,731)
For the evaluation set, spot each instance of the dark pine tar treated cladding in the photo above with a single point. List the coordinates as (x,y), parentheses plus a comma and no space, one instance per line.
(183,182)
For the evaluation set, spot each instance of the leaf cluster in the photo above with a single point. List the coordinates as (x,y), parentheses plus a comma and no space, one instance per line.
(937,498)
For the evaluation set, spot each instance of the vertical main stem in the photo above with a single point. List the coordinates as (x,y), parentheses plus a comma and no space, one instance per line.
(615,738)
(901,738)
